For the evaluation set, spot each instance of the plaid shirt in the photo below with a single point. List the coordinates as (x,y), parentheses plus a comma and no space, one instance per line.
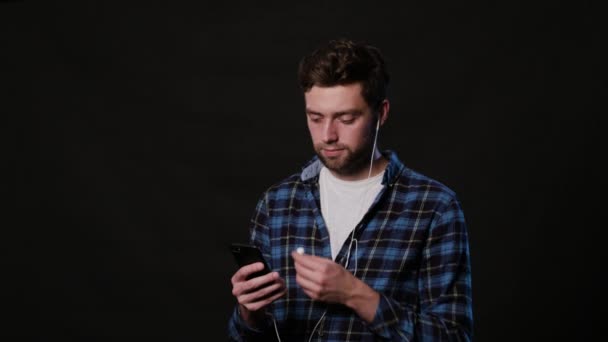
(412,249)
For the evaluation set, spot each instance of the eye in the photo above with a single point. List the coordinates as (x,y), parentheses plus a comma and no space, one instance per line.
(347,119)
(315,118)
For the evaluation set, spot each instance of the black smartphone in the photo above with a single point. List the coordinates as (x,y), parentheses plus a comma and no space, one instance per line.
(245,254)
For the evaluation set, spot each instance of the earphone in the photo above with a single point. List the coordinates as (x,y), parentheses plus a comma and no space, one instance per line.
(371,162)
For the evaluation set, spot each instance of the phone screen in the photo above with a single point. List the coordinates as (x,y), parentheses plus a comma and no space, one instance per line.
(248,254)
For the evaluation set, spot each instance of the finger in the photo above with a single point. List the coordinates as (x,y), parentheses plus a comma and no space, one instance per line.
(261,281)
(309,261)
(258,305)
(310,257)
(302,261)
(307,284)
(306,273)
(247,270)
(259,294)
(252,284)
(312,295)
(282,281)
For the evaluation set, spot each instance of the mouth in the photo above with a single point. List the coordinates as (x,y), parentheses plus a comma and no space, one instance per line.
(332,152)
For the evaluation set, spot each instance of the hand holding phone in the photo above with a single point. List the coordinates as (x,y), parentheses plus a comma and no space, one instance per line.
(254,291)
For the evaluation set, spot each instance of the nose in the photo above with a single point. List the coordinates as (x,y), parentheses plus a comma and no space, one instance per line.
(330,133)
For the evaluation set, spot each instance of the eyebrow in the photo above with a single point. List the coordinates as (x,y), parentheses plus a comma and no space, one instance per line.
(346,112)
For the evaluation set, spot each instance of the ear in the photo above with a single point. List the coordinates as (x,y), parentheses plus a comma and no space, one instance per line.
(383,111)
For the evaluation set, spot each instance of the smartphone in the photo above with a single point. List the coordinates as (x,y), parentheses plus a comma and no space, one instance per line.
(245,254)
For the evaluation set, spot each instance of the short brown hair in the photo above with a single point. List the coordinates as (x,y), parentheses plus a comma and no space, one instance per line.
(343,61)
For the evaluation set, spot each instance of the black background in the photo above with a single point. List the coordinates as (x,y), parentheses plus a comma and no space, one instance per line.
(139,138)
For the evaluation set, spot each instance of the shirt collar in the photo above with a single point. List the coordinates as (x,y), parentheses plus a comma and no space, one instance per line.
(310,171)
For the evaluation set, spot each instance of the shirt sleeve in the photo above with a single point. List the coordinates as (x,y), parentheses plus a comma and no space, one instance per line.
(238,330)
(444,283)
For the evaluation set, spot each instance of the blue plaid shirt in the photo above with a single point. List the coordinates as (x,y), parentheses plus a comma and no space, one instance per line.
(412,249)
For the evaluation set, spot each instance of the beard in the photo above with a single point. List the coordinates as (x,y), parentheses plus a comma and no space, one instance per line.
(351,161)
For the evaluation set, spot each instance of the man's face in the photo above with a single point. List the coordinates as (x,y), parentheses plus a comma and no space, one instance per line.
(341,125)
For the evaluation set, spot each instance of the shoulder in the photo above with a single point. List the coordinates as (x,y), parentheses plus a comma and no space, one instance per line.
(287,190)
(417,195)
(295,184)
(288,184)
(408,184)
(415,186)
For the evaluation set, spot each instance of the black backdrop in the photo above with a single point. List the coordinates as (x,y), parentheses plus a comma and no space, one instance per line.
(144,135)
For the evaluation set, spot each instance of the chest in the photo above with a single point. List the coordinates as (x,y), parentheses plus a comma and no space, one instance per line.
(389,238)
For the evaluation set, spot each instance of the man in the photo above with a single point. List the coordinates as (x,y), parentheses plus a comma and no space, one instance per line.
(383,250)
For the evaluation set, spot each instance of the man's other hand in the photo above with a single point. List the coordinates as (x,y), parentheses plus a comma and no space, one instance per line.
(324,280)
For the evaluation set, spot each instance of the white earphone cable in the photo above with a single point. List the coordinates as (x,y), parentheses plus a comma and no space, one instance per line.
(371,162)
(276,330)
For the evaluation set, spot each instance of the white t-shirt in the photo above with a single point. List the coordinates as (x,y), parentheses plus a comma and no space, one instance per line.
(343,204)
